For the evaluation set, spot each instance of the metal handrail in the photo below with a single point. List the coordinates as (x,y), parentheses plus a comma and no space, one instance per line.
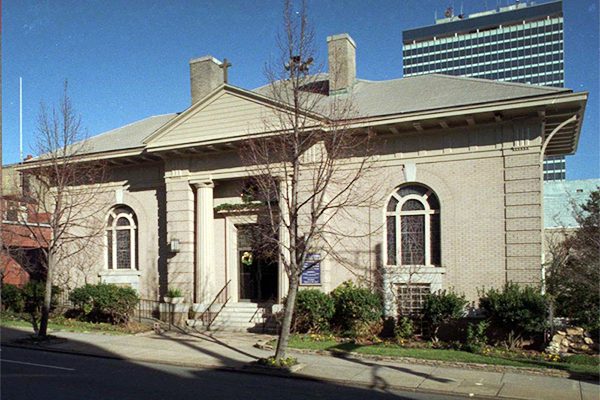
(258,309)
(207,314)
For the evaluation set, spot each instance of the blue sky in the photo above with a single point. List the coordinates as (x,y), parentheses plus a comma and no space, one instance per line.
(128,60)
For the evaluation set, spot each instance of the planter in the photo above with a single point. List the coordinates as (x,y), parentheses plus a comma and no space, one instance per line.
(174,300)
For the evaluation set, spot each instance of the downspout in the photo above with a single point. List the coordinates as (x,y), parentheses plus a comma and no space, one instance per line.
(543,151)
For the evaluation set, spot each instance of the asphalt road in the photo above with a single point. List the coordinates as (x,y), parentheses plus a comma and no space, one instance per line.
(39,375)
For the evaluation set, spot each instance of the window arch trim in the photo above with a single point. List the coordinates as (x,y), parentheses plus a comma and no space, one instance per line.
(115,239)
(393,222)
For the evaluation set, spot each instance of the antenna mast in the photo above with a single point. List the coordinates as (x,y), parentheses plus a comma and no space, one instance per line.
(21,118)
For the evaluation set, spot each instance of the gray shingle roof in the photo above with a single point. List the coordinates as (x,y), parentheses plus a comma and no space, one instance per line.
(399,96)
(127,137)
(429,92)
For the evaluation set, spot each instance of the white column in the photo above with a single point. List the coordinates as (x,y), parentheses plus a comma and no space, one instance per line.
(205,243)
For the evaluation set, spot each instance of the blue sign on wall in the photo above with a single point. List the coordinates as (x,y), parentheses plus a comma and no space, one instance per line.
(311,276)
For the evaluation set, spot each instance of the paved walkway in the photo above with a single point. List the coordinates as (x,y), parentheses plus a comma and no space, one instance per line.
(233,351)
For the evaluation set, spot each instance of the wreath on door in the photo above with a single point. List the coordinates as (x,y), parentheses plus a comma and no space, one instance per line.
(247,258)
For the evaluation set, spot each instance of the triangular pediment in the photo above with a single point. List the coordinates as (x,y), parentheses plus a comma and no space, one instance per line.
(227,114)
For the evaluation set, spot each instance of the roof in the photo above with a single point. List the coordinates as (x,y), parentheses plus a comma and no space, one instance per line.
(127,137)
(423,95)
(435,91)
(561,196)
(430,92)
(396,97)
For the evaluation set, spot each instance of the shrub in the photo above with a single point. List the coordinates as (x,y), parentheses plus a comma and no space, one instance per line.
(523,309)
(442,307)
(314,309)
(12,298)
(405,328)
(33,297)
(476,337)
(357,310)
(105,302)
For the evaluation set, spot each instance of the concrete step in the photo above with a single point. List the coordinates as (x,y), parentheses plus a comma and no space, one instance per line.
(253,306)
(242,312)
(240,317)
(232,326)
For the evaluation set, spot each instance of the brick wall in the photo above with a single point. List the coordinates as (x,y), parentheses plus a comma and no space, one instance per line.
(523,217)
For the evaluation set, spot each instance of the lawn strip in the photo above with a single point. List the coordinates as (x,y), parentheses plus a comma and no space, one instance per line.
(69,325)
(435,354)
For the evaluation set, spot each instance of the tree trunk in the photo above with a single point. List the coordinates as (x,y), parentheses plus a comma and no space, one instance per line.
(290,304)
(47,297)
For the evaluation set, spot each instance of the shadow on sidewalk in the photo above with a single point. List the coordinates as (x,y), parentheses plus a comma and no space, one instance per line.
(377,380)
(40,372)
(194,338)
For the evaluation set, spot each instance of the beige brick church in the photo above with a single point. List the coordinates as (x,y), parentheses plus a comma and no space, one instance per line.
(460,158)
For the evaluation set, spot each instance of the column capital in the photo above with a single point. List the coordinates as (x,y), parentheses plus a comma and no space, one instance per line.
(202,183)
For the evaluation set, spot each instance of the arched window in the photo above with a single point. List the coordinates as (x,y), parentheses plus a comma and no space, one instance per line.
(121,238)
(413,227)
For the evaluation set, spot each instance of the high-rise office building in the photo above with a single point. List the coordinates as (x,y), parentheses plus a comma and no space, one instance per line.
(518,43)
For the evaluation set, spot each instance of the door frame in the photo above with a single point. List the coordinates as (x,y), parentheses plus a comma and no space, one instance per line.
(231,254)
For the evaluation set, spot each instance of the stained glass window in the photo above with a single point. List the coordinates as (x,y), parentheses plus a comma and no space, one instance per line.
(391,242)
(123,249)
(121,239)
(412,205)
(413,239)
(109,235)
(415,210)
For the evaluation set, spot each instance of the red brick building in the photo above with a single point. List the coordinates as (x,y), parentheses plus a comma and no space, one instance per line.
(23,236)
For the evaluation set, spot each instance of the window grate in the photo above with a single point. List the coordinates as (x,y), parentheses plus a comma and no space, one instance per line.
(411,297)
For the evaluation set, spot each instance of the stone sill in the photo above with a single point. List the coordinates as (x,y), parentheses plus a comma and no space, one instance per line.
(120,272)
(415,269)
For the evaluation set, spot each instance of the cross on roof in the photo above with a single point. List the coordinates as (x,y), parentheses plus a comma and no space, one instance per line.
(224,67)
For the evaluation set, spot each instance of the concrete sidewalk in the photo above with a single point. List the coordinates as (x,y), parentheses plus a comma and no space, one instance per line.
(233,351)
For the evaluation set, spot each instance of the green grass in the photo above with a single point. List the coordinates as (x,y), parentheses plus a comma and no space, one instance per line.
(64,324)
(589,365)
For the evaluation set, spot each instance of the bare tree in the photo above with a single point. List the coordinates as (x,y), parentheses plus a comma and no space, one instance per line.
(67,193)
(308,172)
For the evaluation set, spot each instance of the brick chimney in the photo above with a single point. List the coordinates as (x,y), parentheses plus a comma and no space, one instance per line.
(205,76)
(341,51)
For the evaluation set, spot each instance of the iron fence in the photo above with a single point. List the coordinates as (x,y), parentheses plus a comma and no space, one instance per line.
(147,309)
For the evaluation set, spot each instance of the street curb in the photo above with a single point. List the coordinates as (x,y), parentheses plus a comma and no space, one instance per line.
(252,371)
(554,373)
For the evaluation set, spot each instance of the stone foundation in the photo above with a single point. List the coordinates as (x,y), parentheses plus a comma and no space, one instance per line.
(175,314)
